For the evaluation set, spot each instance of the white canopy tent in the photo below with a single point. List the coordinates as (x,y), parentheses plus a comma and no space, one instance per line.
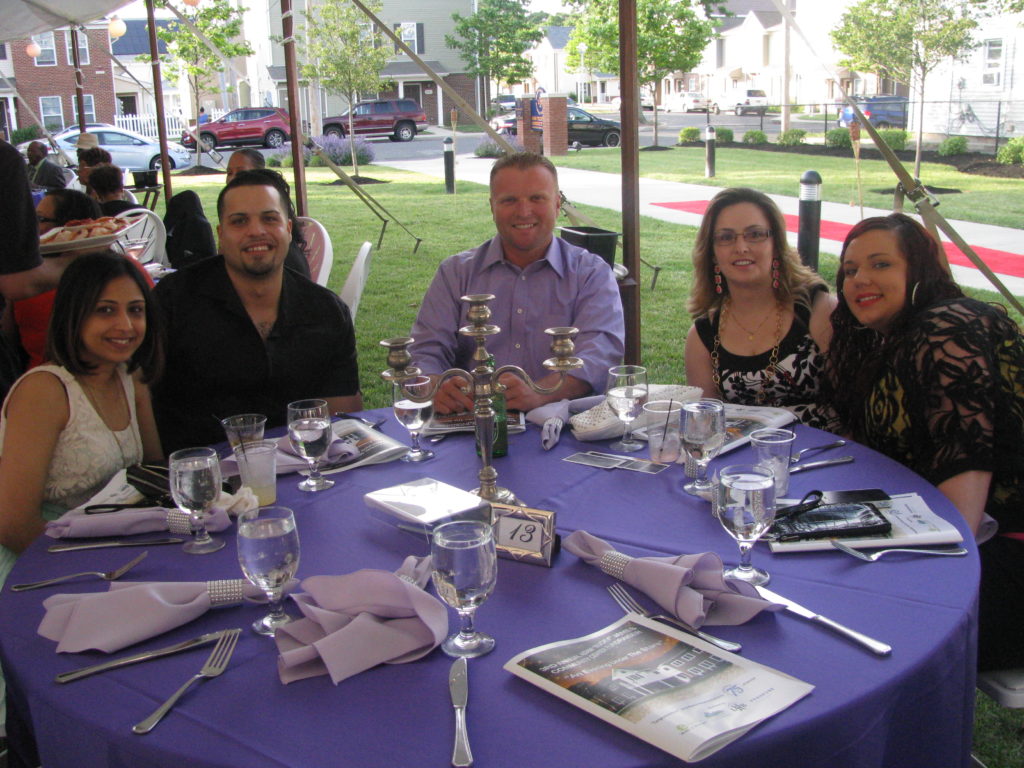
(23,18)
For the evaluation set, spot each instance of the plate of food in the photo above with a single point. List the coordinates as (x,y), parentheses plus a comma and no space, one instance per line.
(84,234)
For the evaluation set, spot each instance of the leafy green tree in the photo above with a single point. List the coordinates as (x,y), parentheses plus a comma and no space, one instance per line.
(345,54)
(905,40)
(671,37)
(492,42)
(189,57)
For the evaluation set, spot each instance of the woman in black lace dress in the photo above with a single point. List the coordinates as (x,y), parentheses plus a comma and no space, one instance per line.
(935,380)
(761,317)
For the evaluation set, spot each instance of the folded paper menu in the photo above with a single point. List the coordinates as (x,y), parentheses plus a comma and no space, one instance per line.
(670,689)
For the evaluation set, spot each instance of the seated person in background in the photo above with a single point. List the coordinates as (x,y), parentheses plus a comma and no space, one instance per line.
(25,321)
(69,426)
(91,154)
(761,318)
(41,171)
(253,160)
(539,281)
(245,335)
(189,234)
(935,380)
(106,182)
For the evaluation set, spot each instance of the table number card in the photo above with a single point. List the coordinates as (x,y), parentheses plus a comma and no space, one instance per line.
(525,534)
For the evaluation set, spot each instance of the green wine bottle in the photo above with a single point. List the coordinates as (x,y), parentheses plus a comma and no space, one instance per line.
(500,445)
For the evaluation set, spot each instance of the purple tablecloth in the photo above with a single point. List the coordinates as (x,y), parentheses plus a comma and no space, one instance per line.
(914,708)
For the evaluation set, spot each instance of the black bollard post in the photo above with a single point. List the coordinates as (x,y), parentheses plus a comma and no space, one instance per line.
(449,166)
(709,152)
(809,234)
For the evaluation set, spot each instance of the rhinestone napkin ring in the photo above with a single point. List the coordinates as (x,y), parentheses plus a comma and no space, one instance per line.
(614,564)
(225,591)
(178,521)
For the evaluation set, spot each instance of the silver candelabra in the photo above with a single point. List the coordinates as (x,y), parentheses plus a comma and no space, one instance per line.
(485,384)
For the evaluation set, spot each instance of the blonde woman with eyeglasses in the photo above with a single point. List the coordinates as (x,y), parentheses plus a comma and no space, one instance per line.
(761,318)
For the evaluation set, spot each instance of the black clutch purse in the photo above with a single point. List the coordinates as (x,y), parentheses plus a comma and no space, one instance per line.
(152,481)
(830,521)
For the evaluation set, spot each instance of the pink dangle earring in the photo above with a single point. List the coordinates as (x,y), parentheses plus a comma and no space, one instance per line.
(775,274)
(718,279)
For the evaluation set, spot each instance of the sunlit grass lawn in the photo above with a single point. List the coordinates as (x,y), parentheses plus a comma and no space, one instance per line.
(448,224)
(982,199)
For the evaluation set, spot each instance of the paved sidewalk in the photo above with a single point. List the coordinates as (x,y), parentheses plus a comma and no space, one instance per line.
(1002,248)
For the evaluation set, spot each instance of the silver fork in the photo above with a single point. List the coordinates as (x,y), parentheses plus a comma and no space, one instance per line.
(214,666)
(882,552)
(107,575)
(815,449)
(629,604)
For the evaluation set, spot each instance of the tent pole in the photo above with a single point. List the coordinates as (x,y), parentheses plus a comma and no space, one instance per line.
(158,94)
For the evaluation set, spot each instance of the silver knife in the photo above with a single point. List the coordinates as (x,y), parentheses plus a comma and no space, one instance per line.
(458,687)
(823,463)
(195,642)
(873,645)
(71,547)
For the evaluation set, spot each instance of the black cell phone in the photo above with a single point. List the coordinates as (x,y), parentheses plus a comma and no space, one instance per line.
(831,521)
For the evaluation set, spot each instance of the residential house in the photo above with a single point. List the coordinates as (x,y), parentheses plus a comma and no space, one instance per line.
(422,26)
(133,80)
(46,84)
(982,97)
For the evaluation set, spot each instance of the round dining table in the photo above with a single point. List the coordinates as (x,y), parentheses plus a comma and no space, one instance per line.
(911,708)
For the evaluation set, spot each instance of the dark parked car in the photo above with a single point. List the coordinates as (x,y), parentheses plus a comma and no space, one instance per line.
(398,119)
(881,111)
(583,127)
(268,126)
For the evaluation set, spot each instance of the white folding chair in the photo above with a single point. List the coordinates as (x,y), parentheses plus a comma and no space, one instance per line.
(356,280)
(150,230)
(319,252)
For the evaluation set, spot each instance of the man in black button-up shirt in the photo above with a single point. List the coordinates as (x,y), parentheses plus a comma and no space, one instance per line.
(244,335)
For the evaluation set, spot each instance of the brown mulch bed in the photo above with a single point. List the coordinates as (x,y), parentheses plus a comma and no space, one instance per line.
(973,162)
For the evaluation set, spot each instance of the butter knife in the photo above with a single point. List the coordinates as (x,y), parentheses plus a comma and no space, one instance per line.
(871,644)
(195,642)
(458,687)
(823,463)
(111,543)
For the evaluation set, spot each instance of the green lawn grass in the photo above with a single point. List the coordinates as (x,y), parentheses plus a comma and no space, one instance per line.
(448,224)
(982,199)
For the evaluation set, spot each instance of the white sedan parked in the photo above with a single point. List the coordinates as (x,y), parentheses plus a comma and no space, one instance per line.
(686,101)
(130,151)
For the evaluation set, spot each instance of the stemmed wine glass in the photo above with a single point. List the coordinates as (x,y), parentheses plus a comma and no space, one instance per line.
(195,486)
(626,394)
(465,571)
(745,506)
(703,434)
(413,415)
(309,429)
(268,551)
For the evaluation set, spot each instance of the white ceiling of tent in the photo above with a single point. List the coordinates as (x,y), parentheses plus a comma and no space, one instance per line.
(22,18)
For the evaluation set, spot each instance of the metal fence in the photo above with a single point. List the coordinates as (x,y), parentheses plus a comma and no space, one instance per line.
(986,124)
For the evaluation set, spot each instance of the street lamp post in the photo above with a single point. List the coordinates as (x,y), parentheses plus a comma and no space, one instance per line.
(582,48)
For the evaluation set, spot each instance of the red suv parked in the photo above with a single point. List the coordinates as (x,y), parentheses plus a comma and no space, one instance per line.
(398,119)
(268,126)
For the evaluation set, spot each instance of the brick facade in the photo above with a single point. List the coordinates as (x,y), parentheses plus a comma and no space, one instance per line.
(35,81)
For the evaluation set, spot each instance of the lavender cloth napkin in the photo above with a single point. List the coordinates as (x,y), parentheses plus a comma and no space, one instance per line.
(688,586)
(355,622)
(128,522)
(131,612)
(550,417)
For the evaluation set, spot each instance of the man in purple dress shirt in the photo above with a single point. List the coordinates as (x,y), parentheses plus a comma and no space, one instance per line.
(539,281)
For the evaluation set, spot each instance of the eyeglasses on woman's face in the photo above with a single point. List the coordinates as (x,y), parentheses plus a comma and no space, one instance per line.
(750,235)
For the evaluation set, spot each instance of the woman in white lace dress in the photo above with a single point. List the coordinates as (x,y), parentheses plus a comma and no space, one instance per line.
(69,425)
